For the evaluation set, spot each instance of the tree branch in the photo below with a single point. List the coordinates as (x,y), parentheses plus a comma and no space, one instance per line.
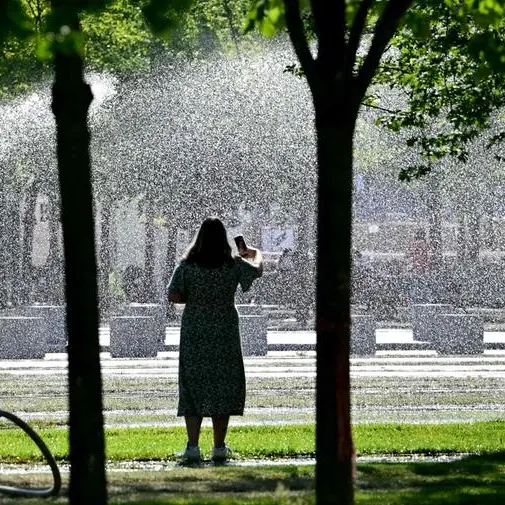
(384,32)
(298,38)
(378,107)
(355,36)
(329,20)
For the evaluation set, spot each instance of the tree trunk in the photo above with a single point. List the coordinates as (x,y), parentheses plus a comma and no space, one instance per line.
(71,100)
(105,256)
(303,294)
(17,260)
(5,244)
(473,239)
(435,218)
(54,260)
(149,278)
(28,224)
(13,239)
(460,238)
(170,260)
(334,447)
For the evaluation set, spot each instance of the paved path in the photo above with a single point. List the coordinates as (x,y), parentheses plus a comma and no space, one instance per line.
(383,336)
(392,386)
(284,365)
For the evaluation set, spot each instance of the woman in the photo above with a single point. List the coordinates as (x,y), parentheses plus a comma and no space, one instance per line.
(211,368)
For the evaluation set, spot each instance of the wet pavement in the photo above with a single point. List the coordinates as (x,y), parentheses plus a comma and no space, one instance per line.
(282,365)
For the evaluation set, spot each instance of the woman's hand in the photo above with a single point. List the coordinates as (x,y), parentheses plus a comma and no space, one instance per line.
(253,254)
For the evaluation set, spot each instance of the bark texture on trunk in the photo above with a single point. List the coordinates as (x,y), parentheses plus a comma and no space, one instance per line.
(71,100)
(27,244)
(460,238)
(17,279)
(149,278)
(4,245)
(169,264)
(54,260)
(334,447)
(434,204)
(473,239)
(304,292)
(105,256)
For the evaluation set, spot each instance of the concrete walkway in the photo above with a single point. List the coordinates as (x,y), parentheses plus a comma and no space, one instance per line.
(383,336)
(283,365)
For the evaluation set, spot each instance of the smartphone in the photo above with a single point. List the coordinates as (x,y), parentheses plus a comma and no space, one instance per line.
(240,242)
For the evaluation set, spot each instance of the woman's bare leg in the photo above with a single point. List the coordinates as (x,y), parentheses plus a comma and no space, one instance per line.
(220,428)
(193,424)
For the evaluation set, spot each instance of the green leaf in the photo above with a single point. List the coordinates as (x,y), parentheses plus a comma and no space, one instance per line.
(274,14)
(268,16)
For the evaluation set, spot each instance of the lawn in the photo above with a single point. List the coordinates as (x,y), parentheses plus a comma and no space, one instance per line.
(270,441)
(155,435)
(478,480)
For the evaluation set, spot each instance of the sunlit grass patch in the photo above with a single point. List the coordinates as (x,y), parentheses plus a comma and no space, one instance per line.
(247,441)
(269,441)
(480,437)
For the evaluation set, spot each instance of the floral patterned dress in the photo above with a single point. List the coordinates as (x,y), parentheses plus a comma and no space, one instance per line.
(211,368)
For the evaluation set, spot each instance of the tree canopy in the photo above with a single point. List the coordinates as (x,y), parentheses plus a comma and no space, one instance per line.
(445,93)
(116,35)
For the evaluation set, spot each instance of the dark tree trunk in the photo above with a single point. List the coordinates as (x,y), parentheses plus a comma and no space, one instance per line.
(4,244)
(54,260)
(149,279)
(71,100)
(337,93)
(170,260)
(494,233)
(105,256)
(17,259)
(13,240)
(304,282)
(257,219)
(27,242)
(473,239)
(460,238)
(435,218)
(334,447)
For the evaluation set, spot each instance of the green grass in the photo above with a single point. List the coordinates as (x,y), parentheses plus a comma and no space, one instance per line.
(271,441)
(473,480)
(153,400)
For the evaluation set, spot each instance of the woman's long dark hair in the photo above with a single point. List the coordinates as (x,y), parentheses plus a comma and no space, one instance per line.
(210,248)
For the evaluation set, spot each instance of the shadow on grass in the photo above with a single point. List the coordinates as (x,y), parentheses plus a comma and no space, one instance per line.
(478,480)
(219,479)
(473,480)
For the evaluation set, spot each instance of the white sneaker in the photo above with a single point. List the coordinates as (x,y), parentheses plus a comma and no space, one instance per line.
(191,454)
(220,454)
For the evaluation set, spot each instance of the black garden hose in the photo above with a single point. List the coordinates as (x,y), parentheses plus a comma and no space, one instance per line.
(35,492)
